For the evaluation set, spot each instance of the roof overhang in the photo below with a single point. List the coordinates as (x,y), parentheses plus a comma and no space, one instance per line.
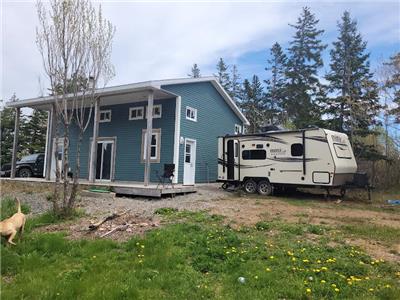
(135,92)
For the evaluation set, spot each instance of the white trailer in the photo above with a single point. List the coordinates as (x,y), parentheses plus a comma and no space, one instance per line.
(311,157)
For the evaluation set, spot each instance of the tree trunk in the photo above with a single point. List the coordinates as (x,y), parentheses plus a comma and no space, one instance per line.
(75,184)
(65,169)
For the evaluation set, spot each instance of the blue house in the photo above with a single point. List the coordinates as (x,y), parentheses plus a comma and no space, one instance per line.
(187,117)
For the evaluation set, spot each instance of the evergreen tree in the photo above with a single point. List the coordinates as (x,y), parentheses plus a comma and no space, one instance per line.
(235,89)
(392,85)
(195,72)
(223,74)
(35,132)
(276,84)
(354,106)
(304,88)
(7,116)
(252,103)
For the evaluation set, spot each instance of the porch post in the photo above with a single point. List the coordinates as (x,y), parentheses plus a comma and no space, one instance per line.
(93,148)
(177,136)
(149,130)
(49,140)
(15,142)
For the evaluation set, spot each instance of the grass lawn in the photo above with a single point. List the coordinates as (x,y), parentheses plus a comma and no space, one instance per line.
(195,256)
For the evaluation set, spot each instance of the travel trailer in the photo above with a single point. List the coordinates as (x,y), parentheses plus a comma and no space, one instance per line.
(311,157)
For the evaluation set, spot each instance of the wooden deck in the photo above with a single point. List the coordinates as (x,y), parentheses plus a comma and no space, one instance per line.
(124,187)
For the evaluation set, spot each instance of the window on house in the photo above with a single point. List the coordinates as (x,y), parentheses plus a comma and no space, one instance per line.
(191,114)
(296,149)
(254,154)
(105,116)
(136,113)
(154,147)
(157,111)
(238,129)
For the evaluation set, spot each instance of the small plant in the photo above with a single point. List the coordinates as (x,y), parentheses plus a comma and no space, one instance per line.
(262,226)
(9,207)
(165,211)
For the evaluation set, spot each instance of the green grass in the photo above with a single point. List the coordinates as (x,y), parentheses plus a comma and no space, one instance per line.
(9,207)
(196,258)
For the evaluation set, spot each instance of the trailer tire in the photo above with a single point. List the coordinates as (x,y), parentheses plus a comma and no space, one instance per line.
(250,186)
(225,186)
(264,188)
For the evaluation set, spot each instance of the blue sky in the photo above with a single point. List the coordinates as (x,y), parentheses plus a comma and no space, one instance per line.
(161,39)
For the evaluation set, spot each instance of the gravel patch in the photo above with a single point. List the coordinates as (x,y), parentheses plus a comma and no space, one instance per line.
(98,204)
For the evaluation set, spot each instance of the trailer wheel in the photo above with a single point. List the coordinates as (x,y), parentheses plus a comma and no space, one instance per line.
(264,188)
(250,186)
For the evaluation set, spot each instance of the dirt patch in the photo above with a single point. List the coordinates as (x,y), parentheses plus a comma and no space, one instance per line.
(131,225)
(249,211)
(376,250)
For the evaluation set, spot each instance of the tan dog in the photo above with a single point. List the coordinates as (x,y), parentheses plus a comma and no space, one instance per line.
(9,227)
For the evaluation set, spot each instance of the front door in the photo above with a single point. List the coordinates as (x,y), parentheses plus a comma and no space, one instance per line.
(189,170)
(57,157)
(104,163)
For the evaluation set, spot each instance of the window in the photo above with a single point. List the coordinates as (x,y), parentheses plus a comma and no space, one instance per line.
(155,145)
(157,110)
(254,154)
(105,116)
(136,113)
(296,149)
(238,129)
(191,114)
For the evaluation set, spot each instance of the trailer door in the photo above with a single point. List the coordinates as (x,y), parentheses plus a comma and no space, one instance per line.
(232,160)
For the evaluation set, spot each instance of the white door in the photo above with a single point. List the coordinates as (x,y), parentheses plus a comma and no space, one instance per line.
(189,169)
(104,164)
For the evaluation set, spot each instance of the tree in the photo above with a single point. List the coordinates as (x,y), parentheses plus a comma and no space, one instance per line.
(223,74)
(34,132)
(276,85)
(252,103)
(303,87)
(392,85)
(195,72)
(235,88)
(75,43)
(353,105)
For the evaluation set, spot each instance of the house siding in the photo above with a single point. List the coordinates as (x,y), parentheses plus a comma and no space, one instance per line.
(128,134)
(214,118)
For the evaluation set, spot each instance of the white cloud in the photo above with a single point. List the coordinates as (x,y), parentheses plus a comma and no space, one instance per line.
(162,40)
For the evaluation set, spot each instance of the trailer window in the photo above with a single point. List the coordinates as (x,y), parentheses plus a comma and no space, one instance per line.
(342,151)
(254,154)
(296,149)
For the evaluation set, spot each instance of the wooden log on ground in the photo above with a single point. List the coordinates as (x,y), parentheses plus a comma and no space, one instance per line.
(113,216)
(118,228)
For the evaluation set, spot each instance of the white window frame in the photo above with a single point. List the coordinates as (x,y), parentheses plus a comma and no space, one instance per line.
(105,112)
(154,107)
(194,110)
(137,109)
(155,132)
(238,129)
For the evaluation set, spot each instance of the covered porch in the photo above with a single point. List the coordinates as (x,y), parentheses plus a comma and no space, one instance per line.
(132,93)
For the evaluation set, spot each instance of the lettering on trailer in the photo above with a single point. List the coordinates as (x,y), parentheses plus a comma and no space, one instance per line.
(338,139)
(278,152)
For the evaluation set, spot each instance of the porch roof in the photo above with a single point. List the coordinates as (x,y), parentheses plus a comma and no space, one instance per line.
(136,92)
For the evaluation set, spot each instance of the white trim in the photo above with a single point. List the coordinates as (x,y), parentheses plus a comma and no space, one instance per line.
(194,111)
(177,134)
(136,108)
(157,133)
(105,111)
(47,143)
(157,116)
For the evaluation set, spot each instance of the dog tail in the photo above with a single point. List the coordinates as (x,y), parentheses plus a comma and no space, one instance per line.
(19,205)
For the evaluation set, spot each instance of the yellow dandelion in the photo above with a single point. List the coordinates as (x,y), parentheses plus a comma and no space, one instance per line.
(268,269)
(333,285)
(256,277)
(271,257)
(324,269)
(293,258)
(308,291)
(370,289)
(290,253)
(305,260)
(387,286)
(337,290)
(323,281)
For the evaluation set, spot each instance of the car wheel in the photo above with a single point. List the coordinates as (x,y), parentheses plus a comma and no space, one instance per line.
(250,186)
(25,172)
(264,188)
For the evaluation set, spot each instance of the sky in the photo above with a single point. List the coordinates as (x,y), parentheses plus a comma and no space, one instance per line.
(161,39)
